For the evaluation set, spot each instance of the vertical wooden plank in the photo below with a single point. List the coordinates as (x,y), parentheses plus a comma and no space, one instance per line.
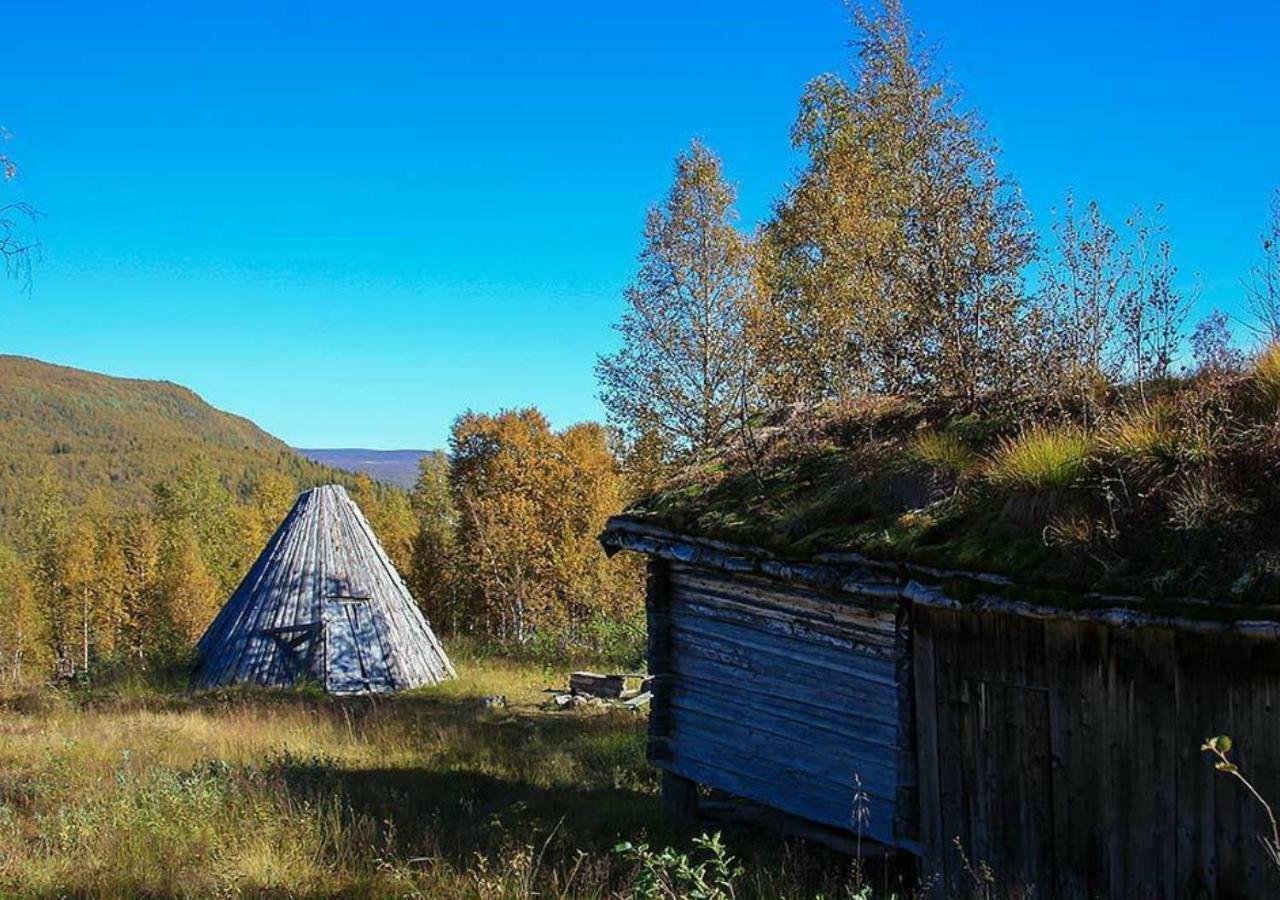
(1239,698)
(928,758)
(906,817)
(680,801)
(1140,709)
(1198,717)
(1075,653)
(1259,755)
(954,779)
(658,651)
(1037,776)
(1013,829)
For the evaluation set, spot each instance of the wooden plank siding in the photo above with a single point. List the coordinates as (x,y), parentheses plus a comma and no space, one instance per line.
(325,582)
(1066,756)
(790,696)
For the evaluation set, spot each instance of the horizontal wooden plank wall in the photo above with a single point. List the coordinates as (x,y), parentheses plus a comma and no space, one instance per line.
(1066,756)
(788,696)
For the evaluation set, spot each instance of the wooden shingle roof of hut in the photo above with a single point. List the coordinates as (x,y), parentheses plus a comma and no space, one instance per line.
(322,603)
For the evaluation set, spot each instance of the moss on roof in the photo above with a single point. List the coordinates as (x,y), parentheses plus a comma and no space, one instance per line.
(853,479)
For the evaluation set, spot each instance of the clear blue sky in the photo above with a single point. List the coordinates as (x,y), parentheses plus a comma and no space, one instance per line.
(350,221)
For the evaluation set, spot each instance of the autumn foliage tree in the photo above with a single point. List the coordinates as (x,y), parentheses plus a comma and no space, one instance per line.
(894,263)
(88,585)
(23,640)
(530,505)
(391,518)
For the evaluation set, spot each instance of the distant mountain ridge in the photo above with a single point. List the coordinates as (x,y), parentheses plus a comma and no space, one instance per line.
(397,467)
(120,436)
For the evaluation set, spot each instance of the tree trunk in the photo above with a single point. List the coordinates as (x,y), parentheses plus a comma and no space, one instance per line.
(84,629)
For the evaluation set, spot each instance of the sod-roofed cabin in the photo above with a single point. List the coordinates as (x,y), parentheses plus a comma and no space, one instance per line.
(874,648)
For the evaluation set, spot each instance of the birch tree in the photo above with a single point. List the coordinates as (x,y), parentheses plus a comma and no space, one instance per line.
(531,503)
(141,602)
(15,247)
(894,263)
(76,581)
(681,370)
(1083,290)
(434,569)
(1262,287)
(22,629)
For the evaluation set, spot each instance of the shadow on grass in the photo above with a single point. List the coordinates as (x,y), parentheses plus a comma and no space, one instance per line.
(460,814)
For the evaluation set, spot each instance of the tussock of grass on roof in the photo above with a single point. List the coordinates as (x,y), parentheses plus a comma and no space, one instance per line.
(1175,493)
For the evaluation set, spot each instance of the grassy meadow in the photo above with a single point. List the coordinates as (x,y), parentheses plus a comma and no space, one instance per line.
(135,791)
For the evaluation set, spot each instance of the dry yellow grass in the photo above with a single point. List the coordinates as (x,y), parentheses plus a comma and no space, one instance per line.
(943,451)
(430,794)
(1266,375)
(252,792)
(1041,458)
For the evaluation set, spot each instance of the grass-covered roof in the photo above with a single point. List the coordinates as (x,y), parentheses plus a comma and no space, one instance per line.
(1174,494)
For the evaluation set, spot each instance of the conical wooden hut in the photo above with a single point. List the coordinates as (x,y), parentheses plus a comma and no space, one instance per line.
(323,603)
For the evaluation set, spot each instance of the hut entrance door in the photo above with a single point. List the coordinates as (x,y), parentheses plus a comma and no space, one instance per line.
(355,662)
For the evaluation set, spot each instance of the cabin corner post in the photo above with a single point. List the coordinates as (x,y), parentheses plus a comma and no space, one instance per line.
(679,794)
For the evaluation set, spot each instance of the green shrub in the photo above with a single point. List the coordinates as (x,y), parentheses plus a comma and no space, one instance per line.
(1041,459)
(669,873)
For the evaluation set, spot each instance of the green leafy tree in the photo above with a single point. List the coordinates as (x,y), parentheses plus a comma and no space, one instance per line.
(435,575)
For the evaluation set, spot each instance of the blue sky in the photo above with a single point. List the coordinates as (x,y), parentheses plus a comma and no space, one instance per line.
(351,221)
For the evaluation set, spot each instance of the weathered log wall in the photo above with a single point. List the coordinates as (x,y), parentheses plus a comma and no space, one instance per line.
(1066,755)
(794,697)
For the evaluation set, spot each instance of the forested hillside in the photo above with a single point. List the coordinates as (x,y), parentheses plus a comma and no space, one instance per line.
(129,511)
(122,436)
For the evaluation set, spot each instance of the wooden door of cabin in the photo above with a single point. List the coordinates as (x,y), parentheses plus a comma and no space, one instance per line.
(355,662)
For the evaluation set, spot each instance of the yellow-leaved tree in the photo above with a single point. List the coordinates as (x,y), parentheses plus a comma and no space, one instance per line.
(23,642)
(390,515)
(894,263)
(530,503)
